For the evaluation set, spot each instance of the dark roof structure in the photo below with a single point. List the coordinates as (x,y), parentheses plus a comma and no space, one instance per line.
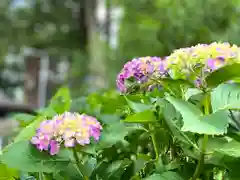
(8,106)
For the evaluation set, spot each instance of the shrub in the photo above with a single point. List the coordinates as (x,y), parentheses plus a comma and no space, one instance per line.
(174,118)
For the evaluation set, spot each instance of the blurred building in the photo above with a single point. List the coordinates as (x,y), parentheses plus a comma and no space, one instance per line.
(7,106)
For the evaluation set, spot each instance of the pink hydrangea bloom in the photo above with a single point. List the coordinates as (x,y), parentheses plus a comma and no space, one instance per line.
(68,129)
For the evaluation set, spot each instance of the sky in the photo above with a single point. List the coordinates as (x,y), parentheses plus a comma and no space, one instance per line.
(19,3)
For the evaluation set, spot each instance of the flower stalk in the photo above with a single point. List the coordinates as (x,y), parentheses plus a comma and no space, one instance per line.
(41,176)
(200,165)
(75,155)
(154,141)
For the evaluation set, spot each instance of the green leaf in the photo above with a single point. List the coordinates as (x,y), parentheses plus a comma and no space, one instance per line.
(8,173)
(227,162)
(90,149)
(191,92)
(194,121)
(224,146)
(226,73)
(107,102)
(88,166)
(226,96)
(69,173)
(133,128)
(141,117)
(161,167)
(169,175)
(117,168)
(140,162)
(171,118)
(29,130)
(234,135)
(232,164)
(111,135)
(47,112)
(137,107)
(113,170)
(61,101)
(178,134)
(170,115)
(175,86)
(167,109)
(173,165)
(24,117)
(25,157)
(110,105)
(109,118)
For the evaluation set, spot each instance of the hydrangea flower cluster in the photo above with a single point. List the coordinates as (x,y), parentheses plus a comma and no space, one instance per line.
(141,69)
(191,63)
(68,129)
(210,57)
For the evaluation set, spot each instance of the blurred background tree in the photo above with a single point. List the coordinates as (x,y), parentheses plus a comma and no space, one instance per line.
(92,39)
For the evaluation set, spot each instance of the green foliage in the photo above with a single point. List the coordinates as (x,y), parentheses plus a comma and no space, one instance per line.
(137,107)
(145,136)
(191,92)
(226,96)
(161,25)
(61,102)
(24,119)
(7,173)
(194,120)
(29,130)
(24,157)
(111,135)
(141,117)
(226,147)
(165,176)
(226,73)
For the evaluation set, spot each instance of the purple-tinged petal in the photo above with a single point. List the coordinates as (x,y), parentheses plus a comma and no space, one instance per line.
(95,133)
(54,147)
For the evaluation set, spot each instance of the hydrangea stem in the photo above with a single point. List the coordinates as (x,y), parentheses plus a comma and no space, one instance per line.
(41,176)
(155,146)
(200,165)
(75,155)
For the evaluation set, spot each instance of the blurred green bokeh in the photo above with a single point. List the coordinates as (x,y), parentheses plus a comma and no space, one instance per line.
(63,28)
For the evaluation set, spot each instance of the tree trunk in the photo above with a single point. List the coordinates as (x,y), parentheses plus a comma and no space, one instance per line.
(96,50)
(108,21)
(52,86)
(83,25)
(32,64)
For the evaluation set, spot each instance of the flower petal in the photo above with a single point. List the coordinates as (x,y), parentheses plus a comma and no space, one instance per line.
(54,147)
(69,142)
